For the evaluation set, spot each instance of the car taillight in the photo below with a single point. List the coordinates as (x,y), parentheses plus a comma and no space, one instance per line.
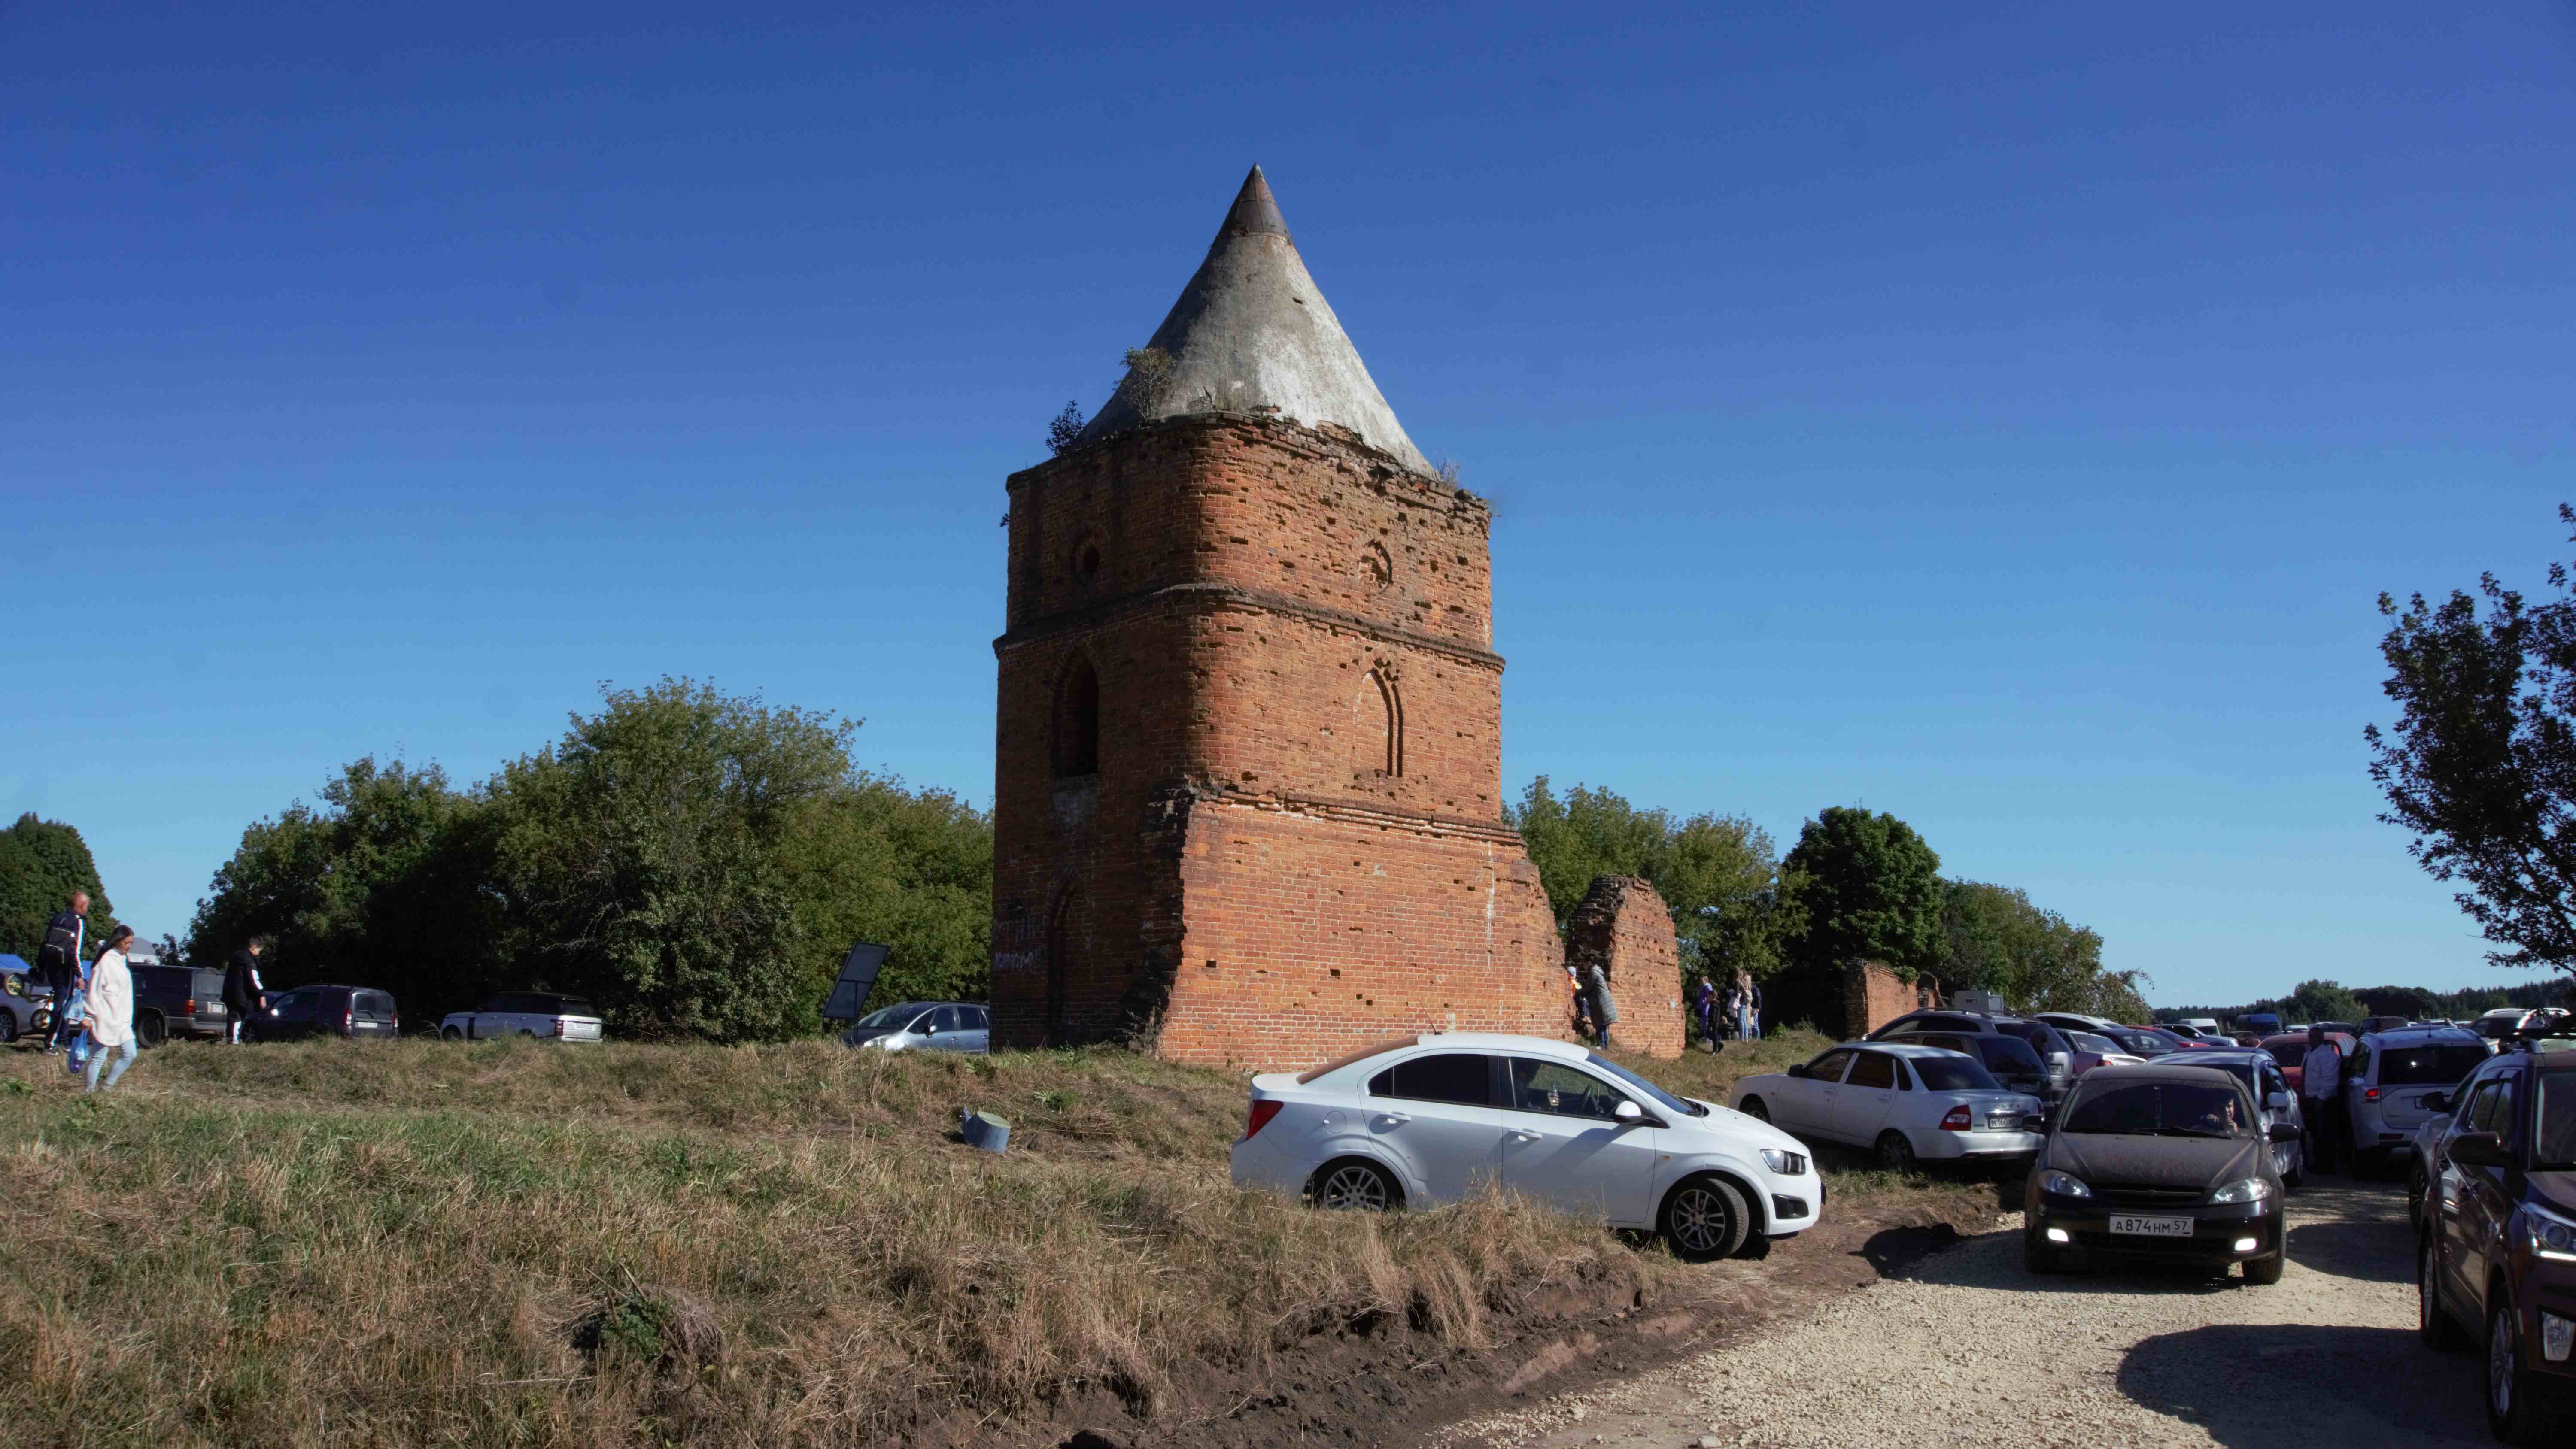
(1955,1120)
(563,1026)
(192,1006)
(348,1021)
(1262,1112)
(2370,1094)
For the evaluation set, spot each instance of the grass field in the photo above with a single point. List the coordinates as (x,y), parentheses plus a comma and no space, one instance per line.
(515,1243)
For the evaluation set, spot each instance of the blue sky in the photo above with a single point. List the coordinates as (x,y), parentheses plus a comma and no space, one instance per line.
(2002,419)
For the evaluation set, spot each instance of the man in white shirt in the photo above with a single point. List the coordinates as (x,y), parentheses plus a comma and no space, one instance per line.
(2321,1085)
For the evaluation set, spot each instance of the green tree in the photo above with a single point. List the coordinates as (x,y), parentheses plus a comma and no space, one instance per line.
(913,871)
(1993,937)
(1719,875)
(388,882)
(638,859)
(41,863)
(2481,763)
(2315,1000)
(1871,888)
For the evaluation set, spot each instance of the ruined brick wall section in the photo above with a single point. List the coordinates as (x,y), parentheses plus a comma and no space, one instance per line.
(1307,936)
(1623,925)
(1873,996)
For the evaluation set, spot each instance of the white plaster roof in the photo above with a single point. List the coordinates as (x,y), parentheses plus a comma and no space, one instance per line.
(1251,332)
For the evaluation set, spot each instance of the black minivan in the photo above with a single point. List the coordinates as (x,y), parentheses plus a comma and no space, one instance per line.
(360,1012)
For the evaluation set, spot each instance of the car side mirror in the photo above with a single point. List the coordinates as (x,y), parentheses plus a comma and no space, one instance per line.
(2283,1132)
(1628,1111)
(2478,1149)
(1798,1069)
(2277,1102)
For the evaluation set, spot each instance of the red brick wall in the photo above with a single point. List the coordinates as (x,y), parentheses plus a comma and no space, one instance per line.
(1873,996)
(1276,615)
(1623,925)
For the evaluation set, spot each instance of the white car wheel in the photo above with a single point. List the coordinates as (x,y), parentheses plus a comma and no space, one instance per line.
(1354,1184)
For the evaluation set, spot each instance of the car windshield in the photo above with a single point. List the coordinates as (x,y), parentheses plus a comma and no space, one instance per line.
(1953,1074)
(2086,1041)
(2011,1054)
(889,1018)
(1646,1089)
(2159,1109)
(2426,1065)
(2556,1149)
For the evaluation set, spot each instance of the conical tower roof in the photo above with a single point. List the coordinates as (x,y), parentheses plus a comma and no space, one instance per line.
(1252,332)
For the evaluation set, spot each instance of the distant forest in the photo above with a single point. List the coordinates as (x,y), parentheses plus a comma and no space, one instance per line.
(2329,1001)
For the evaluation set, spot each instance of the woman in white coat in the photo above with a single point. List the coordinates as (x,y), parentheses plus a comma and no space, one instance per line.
(110,1010)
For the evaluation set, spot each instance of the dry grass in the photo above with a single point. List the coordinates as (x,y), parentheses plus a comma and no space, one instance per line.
(512,1243)
(515,1243)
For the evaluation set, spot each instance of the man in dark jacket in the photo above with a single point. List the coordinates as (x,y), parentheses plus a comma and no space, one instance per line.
(242,990)
(1605,1011)
(58,961)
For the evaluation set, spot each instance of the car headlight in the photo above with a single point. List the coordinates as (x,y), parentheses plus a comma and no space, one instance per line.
(2063,1185)
(1784,1162)
(2243,1189)
(2549,1235)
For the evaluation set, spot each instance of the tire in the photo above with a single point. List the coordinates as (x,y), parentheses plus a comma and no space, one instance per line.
(1705,1218)
(2041,1259)
(1354,1184)
(451,1033)
(2511,1415)
(2264,1272)
(8,1027)
(1896,1153)
(2418,1187)
(41,1025)
(150,1030)
(2433,1322)
(1754,1109)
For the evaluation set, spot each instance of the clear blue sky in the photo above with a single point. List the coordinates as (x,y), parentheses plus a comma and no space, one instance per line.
(2004,418)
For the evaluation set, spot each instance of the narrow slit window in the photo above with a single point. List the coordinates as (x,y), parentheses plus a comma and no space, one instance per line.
(1077,721)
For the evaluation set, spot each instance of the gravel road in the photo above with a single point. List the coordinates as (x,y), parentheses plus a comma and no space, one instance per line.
(1968,1349)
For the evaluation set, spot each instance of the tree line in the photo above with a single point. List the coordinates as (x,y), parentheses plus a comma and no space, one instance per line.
(41,863)
(1856,886)
(694,863)
(2322,1000)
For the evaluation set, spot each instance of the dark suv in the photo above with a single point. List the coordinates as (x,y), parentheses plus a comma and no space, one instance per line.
(2499,1245)
(360,1012)
(179,1001)
(2056,1053)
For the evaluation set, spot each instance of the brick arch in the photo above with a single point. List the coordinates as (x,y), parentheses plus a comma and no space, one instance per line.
(1381,710)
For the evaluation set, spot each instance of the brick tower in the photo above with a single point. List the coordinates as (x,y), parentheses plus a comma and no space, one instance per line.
(1248,794)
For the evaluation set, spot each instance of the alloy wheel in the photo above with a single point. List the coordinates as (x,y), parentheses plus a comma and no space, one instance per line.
(1702,1221)
(1353,1186)
(2500,1364)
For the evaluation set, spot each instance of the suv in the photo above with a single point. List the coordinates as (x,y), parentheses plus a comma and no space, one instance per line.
(2386,1081)
(2499,1243)
(2055,1053)
(179,1001)
(525,1013)
(2007,1059)
(357,1012)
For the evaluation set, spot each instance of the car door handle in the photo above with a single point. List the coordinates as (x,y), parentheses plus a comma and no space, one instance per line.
(1517,1135)
(1396,1119)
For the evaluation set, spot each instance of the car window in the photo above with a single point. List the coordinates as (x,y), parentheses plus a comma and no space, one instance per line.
(944,1019)
(1946,1043)
(1459,1077)
(296,1006)
(2159,1109)
(375,1003)
(2555,1150)
(1829,1067)
(2273,1081)
(1953,1074)
(2358,1068)
(1873,1069)
(976,1020)
(2085,1041)
(2493,1109)
(1643,1088)
(2010,1054)
(1559,1090)
(2039,1034)
(2433,1062)
(575,1006)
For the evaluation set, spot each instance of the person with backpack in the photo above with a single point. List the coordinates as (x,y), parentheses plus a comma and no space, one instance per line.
(243,993)
(58,964)
(109,1006)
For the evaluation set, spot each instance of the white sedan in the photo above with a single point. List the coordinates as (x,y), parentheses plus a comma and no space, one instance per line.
(1432,1118)
(1903,1102)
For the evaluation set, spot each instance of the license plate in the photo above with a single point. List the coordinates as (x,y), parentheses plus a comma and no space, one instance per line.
(2152,1227)
(2003,1121)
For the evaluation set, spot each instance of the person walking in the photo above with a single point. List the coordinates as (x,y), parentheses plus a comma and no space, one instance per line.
(109,1006)
(1605,1012)
(1748,1007)
(243,993)
(1704,1003)
(2321,1085)
(58,963)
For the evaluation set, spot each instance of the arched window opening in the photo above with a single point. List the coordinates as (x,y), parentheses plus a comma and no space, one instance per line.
(1383,707)
(1077,721)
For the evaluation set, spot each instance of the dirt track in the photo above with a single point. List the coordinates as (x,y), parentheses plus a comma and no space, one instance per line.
(1967,1348)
